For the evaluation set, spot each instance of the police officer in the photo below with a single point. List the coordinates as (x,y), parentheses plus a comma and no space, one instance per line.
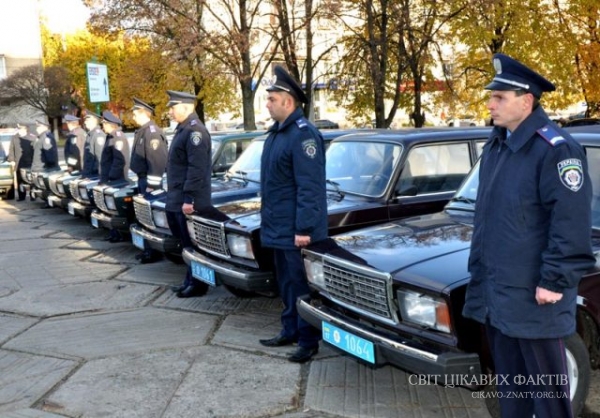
(188,177)
(148,158)
(45,150)
(20,153)
(294,206)
(94,144)
(531,242)
(74,144)
(114,164)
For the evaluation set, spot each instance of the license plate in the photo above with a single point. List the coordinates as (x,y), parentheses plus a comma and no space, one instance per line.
(50,202)
(203,273)
(95,222)
(71,209)
(350,343)
(137,240)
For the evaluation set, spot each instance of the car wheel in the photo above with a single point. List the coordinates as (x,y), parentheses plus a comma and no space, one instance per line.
(240,293)
(578,369)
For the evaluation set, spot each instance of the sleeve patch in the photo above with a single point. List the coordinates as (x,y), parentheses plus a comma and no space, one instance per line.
(154,144)
(101,140)
(551,135)
(196,137)
(571,173)
(119,145)
(309,146)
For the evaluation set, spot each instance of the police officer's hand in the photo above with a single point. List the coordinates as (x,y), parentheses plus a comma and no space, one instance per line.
(543,296)
(187,208)
(301,240)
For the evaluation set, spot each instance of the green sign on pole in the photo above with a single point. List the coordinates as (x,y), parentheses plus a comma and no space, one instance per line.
(97,81)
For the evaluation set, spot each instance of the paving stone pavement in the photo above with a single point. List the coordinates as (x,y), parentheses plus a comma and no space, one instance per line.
(86,331)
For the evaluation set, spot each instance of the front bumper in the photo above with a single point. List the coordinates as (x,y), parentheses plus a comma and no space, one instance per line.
(101,219)
(159,242)
(251,281)
(40,194)
(78,209)
(58,202)
(389,349)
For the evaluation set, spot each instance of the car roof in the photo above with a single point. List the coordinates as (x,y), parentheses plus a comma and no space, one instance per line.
(409,135)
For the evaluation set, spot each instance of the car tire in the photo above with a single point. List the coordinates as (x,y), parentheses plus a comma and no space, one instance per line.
(579,370)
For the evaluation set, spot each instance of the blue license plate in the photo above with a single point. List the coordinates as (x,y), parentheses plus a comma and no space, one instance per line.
(95,222)
(203,273)
(71,209)
(137,240)
(350,343)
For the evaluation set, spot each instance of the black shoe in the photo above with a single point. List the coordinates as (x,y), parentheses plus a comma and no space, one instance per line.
(177,289)
(193,291)
(278,341)
(303,354)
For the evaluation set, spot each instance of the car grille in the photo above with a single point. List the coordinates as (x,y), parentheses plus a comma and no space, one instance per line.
(210,236)
(360,291)
(74,188)
(52,183)
(143,212)
(99,200)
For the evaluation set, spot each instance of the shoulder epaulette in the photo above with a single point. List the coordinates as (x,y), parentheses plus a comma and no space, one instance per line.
(551,135)
(302,123)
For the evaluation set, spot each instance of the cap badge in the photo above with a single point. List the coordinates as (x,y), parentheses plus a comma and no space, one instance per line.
(497,66)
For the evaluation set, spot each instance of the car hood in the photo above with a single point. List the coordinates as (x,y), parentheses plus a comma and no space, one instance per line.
(247,212)
(430,250)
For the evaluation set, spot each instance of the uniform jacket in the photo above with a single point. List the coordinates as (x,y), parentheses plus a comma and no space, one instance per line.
(114,163)
(23,152)
(45,152)
(149,154)
(189,166)
(532,228)
(92,153)
(74,148)
(294,199)
(14,149)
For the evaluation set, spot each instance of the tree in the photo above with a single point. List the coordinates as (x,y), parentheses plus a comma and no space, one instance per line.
(47,90)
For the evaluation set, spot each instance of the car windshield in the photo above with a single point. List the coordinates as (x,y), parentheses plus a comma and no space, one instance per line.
(466,196)
(247,166)
(363,168)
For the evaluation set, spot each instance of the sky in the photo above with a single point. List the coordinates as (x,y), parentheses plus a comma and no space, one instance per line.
(64,16)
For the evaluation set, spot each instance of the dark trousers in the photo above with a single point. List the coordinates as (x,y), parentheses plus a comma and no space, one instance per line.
(289,269)
(178,226)
(540,366)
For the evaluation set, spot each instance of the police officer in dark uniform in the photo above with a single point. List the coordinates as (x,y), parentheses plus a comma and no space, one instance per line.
(45,150)
(74,144)
(294,206)
(188,177)
(148,158)
(94,144)
(531,243)
(20,153)
(114,164)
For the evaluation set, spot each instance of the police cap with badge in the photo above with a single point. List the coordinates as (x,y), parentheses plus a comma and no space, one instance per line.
(178,97)
(90,114)
(70,118)
(109,117)
(513,75)
(283,81)
(140,104)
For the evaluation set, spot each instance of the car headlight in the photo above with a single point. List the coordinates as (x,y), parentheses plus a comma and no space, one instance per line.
(160,218)
(109,201)
(314,271)
(6,172)
(40,182)
(240,246)
(83,193)
(424,310)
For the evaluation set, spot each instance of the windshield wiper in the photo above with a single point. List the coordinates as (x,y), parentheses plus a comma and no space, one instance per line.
(336,187)
(242,175)
(463,199)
